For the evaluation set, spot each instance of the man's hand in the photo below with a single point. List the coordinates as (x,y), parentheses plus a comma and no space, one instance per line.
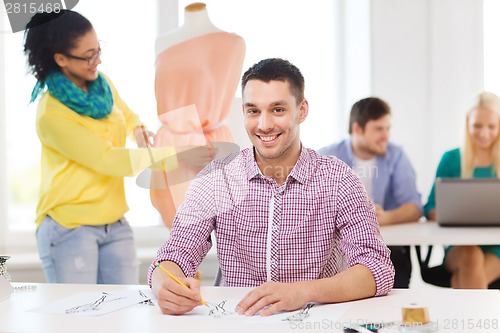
(408,212)
(175,299)
(273,297)
(383,216)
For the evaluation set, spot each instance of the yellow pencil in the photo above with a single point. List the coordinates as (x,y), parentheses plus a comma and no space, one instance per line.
(176,279)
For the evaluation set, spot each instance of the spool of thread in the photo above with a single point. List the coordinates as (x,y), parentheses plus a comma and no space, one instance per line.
(414,314)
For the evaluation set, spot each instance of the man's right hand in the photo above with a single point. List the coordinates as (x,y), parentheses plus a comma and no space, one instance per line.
(173,298)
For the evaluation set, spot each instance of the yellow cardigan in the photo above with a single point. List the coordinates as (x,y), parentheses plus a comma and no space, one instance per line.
(84,161)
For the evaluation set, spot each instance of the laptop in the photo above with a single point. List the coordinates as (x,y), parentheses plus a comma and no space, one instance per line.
(468,202)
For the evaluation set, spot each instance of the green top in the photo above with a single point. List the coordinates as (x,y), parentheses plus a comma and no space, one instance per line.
(449,167)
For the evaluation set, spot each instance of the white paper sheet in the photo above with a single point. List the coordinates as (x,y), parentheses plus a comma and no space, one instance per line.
(317,314)
(95,303)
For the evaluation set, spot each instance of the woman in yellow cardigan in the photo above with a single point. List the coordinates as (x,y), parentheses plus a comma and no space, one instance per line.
(82,124)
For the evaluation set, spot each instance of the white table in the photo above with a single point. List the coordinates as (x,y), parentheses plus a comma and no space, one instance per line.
(430,233)
(451,310)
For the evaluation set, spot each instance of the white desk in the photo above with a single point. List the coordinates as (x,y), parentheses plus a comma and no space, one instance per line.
(451,310)
(430,233)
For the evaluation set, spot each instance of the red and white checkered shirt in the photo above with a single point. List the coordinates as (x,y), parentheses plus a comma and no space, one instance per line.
(316,224)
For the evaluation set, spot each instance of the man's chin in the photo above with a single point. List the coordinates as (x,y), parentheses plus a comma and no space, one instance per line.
(267,155)
(380,151)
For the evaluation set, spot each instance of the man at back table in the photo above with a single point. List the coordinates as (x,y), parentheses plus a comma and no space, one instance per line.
(385,170)
(295,225)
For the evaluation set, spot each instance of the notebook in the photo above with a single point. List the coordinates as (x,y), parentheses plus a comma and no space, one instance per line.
(468,202)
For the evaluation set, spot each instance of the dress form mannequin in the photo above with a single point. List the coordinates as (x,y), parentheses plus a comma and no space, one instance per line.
(196,23)
(198,67)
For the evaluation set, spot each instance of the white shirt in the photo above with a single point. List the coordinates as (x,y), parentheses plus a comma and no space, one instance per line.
(367,171)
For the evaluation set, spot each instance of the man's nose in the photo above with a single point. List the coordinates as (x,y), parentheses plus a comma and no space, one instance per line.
(265,122)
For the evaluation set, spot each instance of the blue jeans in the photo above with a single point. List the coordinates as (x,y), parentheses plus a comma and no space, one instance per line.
(88,254)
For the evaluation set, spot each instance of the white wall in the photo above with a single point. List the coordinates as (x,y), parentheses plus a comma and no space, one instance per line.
(3,170)
(427,63)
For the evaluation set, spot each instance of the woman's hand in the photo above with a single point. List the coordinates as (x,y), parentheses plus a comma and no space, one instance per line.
(197,156)
(143,137)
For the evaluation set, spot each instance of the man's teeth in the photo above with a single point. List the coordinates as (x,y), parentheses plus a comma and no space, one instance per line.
(268,138)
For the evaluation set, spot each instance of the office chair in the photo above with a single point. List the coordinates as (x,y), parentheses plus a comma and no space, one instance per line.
(218,278)
(439,275)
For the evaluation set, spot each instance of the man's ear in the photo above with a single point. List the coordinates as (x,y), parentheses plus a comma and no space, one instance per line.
(303,110)
(356,129)
(60,59)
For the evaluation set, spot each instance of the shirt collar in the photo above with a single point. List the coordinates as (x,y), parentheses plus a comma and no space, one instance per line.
(300,171)
(252,168)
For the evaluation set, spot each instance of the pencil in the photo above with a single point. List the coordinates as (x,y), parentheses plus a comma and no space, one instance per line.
(176,279)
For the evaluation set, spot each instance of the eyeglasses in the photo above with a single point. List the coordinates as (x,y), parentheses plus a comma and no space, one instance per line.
(90,60)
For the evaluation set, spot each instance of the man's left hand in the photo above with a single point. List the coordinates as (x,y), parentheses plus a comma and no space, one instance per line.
(273,297)
(383,216)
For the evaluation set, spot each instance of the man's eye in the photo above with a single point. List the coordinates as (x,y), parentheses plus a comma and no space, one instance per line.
(279,110)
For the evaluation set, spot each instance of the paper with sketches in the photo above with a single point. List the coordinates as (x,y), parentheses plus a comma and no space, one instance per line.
(96,303)
(225,309)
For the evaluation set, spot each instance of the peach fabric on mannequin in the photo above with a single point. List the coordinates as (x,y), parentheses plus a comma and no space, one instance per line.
(199,74)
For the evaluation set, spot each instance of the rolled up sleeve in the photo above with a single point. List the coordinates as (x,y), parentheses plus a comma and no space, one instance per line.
(190,240)
(360,236)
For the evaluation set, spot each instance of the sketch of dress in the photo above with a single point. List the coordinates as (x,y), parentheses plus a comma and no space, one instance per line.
(94,306)
(218,310)
(301,315)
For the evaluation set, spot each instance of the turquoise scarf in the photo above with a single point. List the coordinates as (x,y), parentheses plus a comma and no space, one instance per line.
(96,103)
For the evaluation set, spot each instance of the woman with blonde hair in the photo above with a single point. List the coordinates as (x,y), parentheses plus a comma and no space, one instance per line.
(473,267)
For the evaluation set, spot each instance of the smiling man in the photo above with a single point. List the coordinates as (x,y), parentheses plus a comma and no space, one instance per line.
(385,170)
(295,225)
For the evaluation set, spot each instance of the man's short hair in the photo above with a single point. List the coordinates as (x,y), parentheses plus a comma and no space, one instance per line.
(276,69)
(371,108)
